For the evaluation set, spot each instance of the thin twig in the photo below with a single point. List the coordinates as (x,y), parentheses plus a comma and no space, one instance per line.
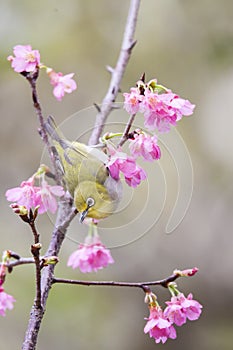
(35,249)
(32,78)
(117,74)
(124,137)
(42,130)
(143,285)
(21,261)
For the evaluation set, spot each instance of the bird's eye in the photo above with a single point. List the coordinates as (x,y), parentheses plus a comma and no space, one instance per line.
(90,202)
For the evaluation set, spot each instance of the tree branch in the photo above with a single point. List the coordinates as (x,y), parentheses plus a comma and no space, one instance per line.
(142,285)
(32,78)
(65,214)
(21,261)
(117,73)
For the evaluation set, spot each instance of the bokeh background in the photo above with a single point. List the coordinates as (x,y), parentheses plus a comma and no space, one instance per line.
(188,46)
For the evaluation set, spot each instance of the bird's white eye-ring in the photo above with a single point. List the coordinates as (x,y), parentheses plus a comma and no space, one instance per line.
(90,202)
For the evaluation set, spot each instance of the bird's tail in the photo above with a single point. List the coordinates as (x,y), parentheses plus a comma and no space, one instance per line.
(59,139)
(55,133)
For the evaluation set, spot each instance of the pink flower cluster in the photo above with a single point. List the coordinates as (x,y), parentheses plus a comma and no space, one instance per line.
(160,323)
(31,196)
(28,60)
(6,302)
(90,256)
(145,146)
(161,107)
(120,162)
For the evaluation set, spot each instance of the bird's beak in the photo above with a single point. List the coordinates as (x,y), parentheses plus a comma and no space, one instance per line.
(83,215)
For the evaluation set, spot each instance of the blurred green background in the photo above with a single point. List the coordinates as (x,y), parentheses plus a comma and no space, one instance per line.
(188,46)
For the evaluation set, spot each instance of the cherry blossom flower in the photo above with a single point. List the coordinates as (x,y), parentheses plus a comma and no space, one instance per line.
(120,162)
(145,146)
(25,60)
(31,196)
(24,195)
(132,101)
(181,308)
(90,256)
(62,83)
(6,302)
(158,326)
(45,197)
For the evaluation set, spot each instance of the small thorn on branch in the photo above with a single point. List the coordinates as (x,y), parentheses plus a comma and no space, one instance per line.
(110,69)
(40,132)
(130,48)
(97,107)
(132,45)
(143,77)
(115,107)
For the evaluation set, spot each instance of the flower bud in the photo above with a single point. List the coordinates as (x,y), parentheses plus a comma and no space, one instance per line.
(35,214)
(19,209)
(43,169)
(151,299)
(48,70)
(50,260)
(6,255)
(37,246)
(11,254)
(187,272)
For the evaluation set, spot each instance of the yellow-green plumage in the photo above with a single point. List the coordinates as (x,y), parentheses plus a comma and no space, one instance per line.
(86,176)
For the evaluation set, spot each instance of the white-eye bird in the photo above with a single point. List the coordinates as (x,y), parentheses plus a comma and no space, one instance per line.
(96,194)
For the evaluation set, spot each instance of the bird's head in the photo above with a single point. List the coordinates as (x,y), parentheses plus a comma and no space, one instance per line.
(95,200)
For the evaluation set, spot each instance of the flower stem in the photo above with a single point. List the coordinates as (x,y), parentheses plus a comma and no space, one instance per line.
(126,132)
